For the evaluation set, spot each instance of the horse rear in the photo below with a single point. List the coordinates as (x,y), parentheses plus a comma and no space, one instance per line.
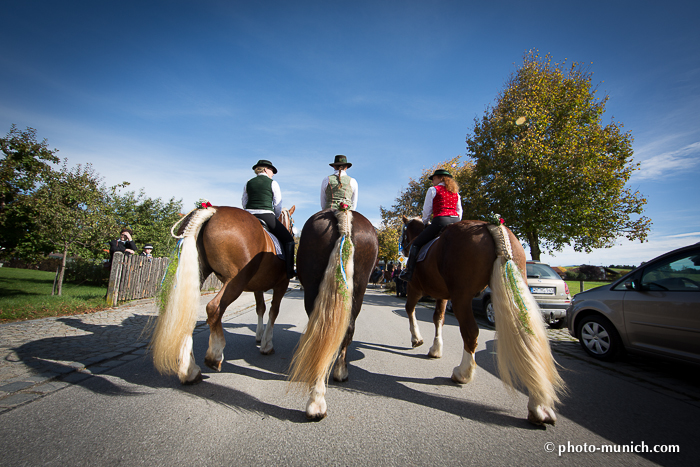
(231,243)
(468,256)
(331,326)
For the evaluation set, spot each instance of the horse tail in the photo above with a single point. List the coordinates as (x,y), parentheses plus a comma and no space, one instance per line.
(522,346)
(179,298)
(329,320)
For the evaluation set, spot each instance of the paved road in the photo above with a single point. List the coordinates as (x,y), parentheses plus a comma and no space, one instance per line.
(80,390)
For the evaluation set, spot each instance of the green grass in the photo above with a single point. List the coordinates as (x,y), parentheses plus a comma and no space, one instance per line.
(575,286)
(26,294)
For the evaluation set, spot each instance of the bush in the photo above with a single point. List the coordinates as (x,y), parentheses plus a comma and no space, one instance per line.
(48,264)
(592,273)
(87,271)
(574,275)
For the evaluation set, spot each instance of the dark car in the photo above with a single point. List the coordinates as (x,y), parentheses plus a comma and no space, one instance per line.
(550,292)
(654,309)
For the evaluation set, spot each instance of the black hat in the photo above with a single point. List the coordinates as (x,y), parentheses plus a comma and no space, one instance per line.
(148,245)
(442,172)
(341,160)
(264,163)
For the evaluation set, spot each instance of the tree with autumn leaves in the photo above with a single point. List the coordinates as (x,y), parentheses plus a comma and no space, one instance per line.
(542,158)
(544,161)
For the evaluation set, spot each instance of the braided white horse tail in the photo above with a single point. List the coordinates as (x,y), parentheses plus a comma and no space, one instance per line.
(329,320)
(171,344)
(522,346)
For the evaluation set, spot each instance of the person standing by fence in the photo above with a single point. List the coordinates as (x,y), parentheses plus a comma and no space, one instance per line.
(124,244)
(147,251)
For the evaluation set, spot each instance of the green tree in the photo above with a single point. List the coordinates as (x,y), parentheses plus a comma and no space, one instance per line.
(72,213)
(388,238)
(545,162)
(23,163)
(150,219)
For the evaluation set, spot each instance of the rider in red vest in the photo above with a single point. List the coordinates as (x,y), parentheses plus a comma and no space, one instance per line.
(444,203)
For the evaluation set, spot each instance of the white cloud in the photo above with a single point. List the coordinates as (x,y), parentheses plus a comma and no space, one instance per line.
(669,163)
(624,252)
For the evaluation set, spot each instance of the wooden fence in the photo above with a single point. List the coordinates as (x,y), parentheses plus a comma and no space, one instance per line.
(135,277)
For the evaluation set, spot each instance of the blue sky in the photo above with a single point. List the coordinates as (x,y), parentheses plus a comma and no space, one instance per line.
(182,98)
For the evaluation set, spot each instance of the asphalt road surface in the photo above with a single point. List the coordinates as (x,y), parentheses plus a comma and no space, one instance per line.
(398,408)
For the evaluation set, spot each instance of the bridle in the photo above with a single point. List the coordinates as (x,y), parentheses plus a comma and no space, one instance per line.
(403,239)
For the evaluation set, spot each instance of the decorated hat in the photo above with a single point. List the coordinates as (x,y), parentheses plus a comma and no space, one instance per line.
(264,163)
(442,172)
(341,160)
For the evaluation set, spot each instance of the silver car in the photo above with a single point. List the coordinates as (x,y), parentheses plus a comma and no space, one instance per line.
(654,309)
(550,292)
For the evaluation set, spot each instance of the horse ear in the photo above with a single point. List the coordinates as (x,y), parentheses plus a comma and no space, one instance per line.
(291,210)
(404,219)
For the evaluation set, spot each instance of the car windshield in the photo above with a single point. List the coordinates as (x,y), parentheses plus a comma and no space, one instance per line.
(542,271)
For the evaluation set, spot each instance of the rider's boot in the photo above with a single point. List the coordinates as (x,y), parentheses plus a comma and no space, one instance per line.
(407,273)
(289,259)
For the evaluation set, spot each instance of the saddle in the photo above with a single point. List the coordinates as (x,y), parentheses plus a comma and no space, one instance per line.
(424,250)
(264,225)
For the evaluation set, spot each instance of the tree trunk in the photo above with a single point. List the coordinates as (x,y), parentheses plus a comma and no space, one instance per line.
(63,269)
(534,242)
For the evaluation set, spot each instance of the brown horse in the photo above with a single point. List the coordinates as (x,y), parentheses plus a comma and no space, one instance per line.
(334,275)
(231,243)
(468,256)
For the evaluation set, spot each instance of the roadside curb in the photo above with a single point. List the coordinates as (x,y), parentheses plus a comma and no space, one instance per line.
(26,377)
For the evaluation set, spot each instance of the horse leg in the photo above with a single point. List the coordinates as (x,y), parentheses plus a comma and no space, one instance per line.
(266,347)
(438,320)
(215,311)
(316,407)
(540,412)
(340,371)
(260,310)
(462,308)
(188,371)
(411,302)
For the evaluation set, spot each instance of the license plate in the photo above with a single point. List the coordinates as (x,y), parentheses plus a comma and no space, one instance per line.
(542,290)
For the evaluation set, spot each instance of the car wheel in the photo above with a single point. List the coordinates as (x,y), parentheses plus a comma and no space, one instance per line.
(490,313)
(557,324)
(598,337)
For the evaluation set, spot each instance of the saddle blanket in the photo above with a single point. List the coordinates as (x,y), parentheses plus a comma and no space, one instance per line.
(278,247)
(424,251)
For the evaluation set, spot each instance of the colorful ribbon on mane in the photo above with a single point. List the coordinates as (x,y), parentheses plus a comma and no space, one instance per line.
(342,267)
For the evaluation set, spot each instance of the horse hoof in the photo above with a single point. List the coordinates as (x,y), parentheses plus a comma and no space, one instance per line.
(269,351)
(541,416)
(460,380)
(340,378)
(194,380)
(315,417)
(417,343)
(213,364)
